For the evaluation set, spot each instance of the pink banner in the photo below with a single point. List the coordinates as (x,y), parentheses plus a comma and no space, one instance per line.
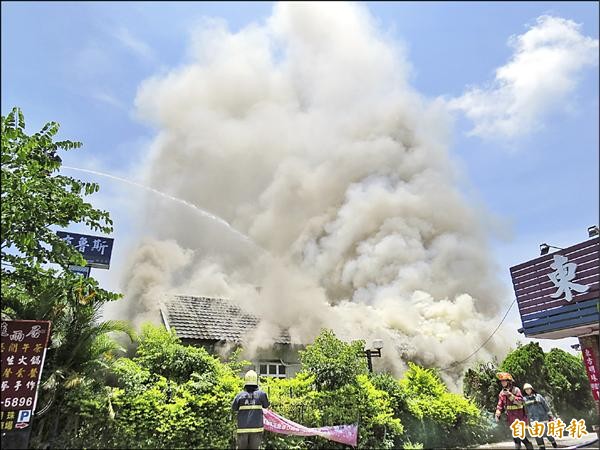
(345,434)
(591,367)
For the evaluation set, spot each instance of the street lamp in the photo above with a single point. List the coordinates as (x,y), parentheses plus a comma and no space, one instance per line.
(544,248)
(375,352)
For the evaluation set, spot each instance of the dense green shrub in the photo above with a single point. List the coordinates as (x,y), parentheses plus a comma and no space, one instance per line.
(144,409)
(161,353)
(436,417)
(333,388)
(169,395)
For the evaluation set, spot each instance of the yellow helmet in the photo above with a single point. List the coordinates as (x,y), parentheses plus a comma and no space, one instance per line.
(502,376)
(527,386)
(251,378)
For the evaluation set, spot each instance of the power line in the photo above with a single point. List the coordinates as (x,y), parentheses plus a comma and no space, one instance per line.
(454,364)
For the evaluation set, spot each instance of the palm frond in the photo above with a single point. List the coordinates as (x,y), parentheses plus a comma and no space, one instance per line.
(73,381)
(103,346)
(111,326)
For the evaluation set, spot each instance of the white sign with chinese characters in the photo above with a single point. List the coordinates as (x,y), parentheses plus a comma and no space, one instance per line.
(562,277)
(24,344)
(95,249)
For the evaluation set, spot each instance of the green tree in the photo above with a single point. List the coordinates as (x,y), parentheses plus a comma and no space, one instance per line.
(161,352)
(333,362)
(344,394)
(527,365)
(36,283)
(35,198)
(398,396)
(482,386)
(568,384)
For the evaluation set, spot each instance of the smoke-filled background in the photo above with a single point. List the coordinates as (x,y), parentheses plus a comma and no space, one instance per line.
(305,135)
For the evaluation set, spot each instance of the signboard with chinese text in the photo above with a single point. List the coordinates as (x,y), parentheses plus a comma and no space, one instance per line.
(83,271)
(23,350)
(95,249)
(559,291)
(591,367)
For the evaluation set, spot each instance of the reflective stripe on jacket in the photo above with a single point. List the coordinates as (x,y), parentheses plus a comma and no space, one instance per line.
(537,408)
(249,407)
(514,408)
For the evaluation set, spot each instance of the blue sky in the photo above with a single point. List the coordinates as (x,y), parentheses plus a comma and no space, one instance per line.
(81,64)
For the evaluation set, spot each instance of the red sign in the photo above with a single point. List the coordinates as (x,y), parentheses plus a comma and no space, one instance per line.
(23,350)
(591,367)
(346,434)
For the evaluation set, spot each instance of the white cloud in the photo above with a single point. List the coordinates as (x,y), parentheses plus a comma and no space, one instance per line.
(544,70)
(136,45)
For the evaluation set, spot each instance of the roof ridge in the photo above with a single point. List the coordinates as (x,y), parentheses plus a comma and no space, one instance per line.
(213,318)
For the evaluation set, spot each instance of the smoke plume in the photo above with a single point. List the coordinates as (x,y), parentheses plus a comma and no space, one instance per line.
(305,134)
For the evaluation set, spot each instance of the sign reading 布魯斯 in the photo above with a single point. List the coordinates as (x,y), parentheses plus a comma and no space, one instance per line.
(95,249)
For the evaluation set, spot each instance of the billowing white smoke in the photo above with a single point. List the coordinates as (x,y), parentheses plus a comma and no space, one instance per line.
(304,134)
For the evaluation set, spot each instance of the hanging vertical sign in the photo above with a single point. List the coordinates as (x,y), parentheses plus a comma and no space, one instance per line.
(23,350)
(591,367)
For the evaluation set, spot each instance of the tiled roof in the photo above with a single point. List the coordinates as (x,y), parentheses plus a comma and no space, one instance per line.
(212,319)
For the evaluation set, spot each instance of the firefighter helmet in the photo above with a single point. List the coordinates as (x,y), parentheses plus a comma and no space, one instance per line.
(504,376)
(251,378)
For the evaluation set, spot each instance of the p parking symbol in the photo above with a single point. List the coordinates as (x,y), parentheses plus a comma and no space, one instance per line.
(24,415)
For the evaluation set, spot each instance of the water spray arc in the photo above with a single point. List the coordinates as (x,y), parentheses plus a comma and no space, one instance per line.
(203,212)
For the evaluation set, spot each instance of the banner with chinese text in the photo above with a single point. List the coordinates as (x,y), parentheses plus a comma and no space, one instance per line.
(591,367)
(23,350)
(345,434)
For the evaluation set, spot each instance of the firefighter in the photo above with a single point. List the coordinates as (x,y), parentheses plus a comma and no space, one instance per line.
(537,410)
(249,405)
(510,400)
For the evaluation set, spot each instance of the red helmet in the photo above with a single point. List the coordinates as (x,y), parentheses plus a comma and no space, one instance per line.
(504,376)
